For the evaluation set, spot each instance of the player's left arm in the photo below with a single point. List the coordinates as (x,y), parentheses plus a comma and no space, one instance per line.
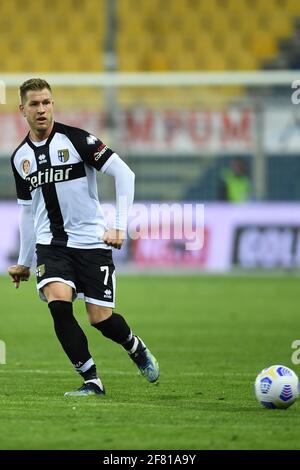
(124,184)
(97,154)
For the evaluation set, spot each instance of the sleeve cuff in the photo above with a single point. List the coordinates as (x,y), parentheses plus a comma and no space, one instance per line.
(24,202)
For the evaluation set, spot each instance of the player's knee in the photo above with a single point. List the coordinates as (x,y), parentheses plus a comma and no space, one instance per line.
(97,313)
(57,291)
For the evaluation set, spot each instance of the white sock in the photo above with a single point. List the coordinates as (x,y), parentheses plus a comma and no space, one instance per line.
(95,381)
(135,345)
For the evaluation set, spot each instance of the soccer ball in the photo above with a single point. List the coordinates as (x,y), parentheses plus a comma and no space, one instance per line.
(276,387)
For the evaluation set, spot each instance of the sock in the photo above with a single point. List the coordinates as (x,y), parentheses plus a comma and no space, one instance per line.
(115,328)
(72,338)
(133,345)
(90,374)
(96,381)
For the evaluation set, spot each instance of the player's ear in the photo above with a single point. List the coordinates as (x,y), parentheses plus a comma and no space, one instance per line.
(21,108)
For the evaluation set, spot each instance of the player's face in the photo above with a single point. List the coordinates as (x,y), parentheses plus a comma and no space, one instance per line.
(38,110)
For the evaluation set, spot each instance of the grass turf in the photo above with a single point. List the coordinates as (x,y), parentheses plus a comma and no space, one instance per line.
(211,336)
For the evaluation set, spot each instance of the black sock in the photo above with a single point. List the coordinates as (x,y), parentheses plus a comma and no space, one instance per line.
(72,338)
(115,328)
(90,374)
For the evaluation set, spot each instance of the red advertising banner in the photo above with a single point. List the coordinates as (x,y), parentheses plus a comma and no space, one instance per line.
(142,130)
(169,253)
(188,131)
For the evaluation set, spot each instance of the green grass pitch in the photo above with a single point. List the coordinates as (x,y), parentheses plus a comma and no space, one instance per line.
(211,335)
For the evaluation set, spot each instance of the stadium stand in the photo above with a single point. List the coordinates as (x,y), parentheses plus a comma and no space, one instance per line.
(185,35)
(35,37)
(68,37)
(214,35)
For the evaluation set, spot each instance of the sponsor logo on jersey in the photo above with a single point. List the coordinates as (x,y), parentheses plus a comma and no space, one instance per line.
(91,139)
(25,167)
(100,151)
(40,270)
(42,158)
(63,155)
(107,294)
(50,175)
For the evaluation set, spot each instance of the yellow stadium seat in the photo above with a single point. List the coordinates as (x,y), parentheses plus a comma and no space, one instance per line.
(293,7)
(266,7)
(208,7)
(246,61)
(263,45)
(280,25)
(238,7)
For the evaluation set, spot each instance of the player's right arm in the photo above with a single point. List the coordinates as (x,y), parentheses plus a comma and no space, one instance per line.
(21,271)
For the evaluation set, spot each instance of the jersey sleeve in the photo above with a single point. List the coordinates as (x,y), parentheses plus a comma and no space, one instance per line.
(23,193)
(91,149)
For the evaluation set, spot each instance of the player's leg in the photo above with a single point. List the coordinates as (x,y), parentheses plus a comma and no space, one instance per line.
(114,326)
(54,264)
(96,272)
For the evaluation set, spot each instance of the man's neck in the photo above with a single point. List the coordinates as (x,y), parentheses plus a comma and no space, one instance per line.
(40,136)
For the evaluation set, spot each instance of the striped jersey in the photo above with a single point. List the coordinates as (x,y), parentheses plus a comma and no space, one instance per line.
(58,178)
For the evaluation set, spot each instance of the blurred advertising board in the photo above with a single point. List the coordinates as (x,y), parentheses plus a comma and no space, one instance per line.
(254,236)
(282,130)
(247,236)
(141,130)
(9,234)
(267,246)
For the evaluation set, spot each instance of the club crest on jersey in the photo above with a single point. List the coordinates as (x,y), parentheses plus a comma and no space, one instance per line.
(63,155)
(40,270)
(25,167)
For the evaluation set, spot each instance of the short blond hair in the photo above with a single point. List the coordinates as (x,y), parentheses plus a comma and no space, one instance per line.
(33,84)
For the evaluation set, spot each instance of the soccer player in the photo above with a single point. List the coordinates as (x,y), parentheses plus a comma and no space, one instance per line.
(55,175)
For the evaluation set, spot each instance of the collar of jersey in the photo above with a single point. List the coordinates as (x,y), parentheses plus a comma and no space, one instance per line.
(46,144)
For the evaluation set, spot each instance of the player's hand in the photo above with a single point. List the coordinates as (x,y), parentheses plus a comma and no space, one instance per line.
(114,238)
(18,273)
